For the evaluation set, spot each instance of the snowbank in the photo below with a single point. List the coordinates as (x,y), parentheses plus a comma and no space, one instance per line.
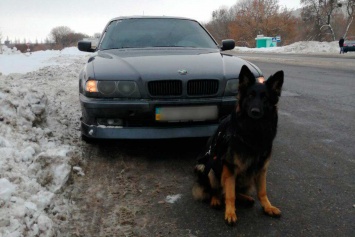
(39,145)
(302,47)
(13,61)
(7,51)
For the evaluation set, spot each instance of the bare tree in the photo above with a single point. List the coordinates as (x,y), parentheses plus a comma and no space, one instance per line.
(317,15)
(255,17)
(59,35)
(350,11)
(218,27)
(63,36)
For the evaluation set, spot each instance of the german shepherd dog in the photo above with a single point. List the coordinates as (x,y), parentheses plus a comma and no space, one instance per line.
(237,156)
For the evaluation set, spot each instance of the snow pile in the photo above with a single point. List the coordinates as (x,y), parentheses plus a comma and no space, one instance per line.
(7,51)
(302,47)
(39,141)
(15,62)
(172,198)
(31,168)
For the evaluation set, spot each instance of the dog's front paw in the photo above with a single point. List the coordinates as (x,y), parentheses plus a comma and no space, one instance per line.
(272,211)
(230,217)
(215,202)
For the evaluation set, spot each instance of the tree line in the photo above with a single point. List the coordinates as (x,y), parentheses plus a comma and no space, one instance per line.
(63,36)
(319,20)
(59,38)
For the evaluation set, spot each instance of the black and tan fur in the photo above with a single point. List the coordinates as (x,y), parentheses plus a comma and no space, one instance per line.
(237,156)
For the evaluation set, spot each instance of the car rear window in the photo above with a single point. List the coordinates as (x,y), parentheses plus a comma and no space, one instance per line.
(155,32)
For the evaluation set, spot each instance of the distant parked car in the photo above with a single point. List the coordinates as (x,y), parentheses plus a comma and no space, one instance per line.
(157,77)
(349,45)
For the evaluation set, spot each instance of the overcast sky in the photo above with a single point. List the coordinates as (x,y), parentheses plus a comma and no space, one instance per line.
(34,19)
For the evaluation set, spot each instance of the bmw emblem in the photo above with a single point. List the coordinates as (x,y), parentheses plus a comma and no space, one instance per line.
(182,72)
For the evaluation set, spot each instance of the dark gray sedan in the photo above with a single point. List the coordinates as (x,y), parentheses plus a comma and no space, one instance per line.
(157,77)
(349,45)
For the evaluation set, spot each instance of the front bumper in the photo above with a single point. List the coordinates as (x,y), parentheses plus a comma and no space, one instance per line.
(349,49)
(139,122)
(99,132)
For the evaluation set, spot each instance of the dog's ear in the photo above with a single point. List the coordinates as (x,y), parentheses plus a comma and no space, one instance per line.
(275,82)
(246,78)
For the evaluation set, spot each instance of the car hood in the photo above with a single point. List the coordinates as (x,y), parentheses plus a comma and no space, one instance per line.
(162,64)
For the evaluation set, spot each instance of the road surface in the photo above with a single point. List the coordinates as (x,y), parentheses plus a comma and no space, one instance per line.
(311,176)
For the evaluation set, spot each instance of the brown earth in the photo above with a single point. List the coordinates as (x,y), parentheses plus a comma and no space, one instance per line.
(125,185)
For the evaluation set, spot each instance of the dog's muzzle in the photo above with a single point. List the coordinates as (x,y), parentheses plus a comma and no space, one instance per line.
(255,113)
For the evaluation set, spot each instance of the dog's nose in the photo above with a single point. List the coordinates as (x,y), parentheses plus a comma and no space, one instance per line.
(255,113)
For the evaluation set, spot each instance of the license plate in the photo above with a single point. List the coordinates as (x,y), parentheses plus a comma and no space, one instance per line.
(186,113)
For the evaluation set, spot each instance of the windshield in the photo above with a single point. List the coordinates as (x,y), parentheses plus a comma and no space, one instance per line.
(163,32)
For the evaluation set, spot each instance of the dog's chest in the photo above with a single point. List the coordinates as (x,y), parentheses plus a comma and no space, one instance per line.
(245,169)
(247,165)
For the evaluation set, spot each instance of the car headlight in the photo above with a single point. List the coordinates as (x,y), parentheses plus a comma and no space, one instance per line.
(91,86)
(128,89)
(231,87)
(261,79)
(106,87)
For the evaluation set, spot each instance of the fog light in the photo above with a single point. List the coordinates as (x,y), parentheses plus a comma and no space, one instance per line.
(109,121)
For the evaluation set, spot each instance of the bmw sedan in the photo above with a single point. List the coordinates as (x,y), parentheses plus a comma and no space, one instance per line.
(155,78)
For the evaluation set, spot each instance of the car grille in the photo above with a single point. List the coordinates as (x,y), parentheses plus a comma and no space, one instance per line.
(175,88)
(202,87)
(165,88)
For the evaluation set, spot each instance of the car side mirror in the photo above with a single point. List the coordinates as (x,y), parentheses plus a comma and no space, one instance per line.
(85,46)
(228,44)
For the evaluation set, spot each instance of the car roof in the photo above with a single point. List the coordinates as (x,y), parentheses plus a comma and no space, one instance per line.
(151,17)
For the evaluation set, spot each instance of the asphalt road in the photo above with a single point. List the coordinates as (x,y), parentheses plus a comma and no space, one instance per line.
(311,176)
(337,61)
